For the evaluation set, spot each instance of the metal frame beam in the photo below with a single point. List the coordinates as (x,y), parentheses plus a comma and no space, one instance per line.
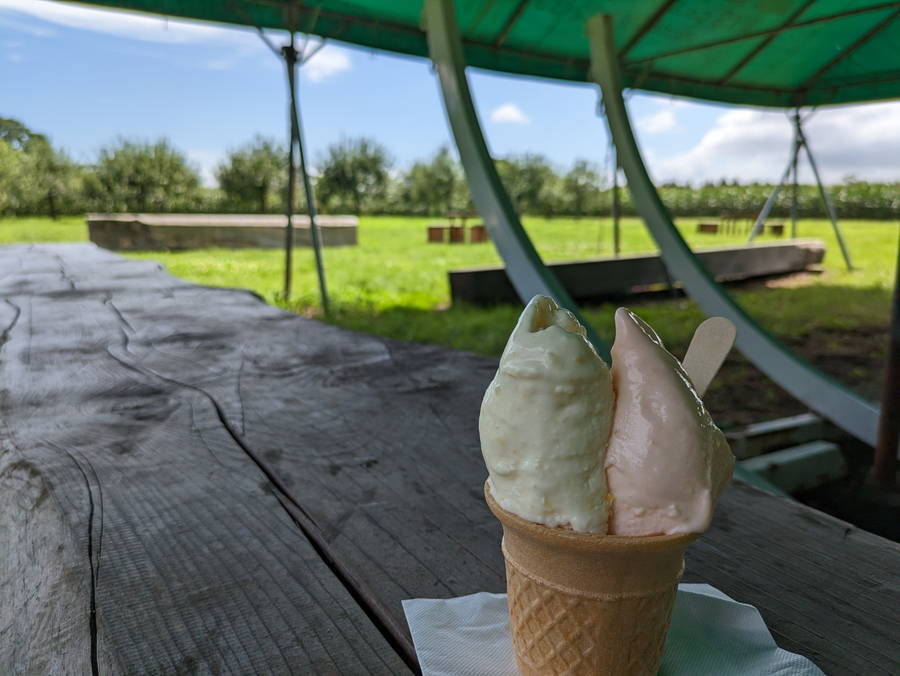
(829,207)
(616,202)
(767,207)
(750,55)
(766,31)
(845,408)
(800,142)
(290,63)
(291,59)
(846,52)
(647,26)
(795,180)
(524,267)
(884,470)
(510,22)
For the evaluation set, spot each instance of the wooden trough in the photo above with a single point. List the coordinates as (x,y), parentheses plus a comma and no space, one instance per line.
(593,279)
(154,232)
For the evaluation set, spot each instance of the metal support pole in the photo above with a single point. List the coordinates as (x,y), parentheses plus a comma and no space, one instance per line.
(885,468)
(767,207)
(291,59)
(616,207)
(795,154)
(829,207)
(847,409)
(524,267)
(310,195)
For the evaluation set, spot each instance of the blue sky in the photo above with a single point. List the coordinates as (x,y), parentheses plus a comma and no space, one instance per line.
(85,76)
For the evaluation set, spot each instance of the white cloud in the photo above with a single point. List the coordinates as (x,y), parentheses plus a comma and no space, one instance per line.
(7,21)
(131,25)
(328,61)
(509,113)
(657,123)
(751,144)
(234,44)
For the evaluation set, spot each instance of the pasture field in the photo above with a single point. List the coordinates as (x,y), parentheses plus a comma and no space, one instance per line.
(395,285)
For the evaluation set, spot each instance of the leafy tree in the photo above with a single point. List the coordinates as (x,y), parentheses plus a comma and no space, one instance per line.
(17,135)
(145,177)
(531,182)
(55,182)
(12,178)
(17,176)
(581,189)
(254,176)
(36,178)
(353,173)
(433,187)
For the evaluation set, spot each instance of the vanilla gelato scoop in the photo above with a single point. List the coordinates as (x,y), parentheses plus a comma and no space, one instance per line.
(667,462)
(545,421)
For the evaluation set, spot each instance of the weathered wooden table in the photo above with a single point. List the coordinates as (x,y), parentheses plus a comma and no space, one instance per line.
(193,481)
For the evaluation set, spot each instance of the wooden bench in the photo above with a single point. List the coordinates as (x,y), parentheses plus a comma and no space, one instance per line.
(708,228)
(192,481)
(462,216)
(457,234)
(737,222)
(776,229)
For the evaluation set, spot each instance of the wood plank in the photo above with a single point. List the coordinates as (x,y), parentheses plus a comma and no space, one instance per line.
(138,535)
(372,447)
(375,443)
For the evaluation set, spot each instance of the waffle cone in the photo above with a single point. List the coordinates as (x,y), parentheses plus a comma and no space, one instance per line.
(582,603)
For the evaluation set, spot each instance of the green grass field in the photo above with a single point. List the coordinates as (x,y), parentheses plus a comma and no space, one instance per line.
(394,284)
(393,281)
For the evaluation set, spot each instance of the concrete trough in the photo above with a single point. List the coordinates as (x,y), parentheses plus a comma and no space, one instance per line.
(598,278)
(172,232)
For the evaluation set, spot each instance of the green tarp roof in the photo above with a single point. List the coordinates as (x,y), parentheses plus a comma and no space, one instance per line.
(762,52)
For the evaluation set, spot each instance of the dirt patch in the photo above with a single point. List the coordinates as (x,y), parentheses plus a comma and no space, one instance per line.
(854,357)
(794,280)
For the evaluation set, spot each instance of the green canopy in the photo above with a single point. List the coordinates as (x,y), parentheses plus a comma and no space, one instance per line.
(761,52)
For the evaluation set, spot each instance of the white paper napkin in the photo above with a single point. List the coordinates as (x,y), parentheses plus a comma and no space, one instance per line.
(711,634)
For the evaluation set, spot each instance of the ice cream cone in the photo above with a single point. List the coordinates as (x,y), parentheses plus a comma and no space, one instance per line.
(582,603)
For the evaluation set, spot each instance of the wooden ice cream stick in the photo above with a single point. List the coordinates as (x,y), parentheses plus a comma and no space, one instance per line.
(710,345)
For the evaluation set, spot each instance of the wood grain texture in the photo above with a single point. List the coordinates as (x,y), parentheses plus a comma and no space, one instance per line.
(377,442)
(137,534)
(371,446)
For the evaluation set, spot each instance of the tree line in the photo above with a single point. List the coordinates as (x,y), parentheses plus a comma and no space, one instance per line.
(358,176)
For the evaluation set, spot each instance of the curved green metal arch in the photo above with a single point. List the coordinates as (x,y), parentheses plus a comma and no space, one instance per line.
(822,394)
(526,270)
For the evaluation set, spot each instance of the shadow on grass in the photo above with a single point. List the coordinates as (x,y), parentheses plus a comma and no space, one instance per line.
(841,330)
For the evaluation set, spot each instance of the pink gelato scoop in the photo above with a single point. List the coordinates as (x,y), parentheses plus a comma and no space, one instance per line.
(666,462)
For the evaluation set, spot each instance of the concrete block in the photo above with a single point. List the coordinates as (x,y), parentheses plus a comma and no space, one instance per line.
(599,278)
(800,467)
(772,435)
(173,232)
